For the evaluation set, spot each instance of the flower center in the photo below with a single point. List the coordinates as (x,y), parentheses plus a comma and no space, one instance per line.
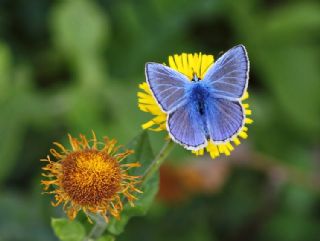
(90,177)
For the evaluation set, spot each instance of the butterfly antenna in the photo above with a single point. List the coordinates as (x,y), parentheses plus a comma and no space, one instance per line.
(193,74)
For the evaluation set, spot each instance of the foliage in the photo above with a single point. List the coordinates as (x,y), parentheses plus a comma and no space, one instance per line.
(68,230)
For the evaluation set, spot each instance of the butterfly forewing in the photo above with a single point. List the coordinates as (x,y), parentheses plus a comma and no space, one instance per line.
(167,85)
(228,76)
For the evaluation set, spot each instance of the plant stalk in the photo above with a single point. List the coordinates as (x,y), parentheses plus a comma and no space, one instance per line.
(97,230)
(159,159)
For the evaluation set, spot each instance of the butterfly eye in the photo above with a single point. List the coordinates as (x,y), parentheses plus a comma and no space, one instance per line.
(195,77)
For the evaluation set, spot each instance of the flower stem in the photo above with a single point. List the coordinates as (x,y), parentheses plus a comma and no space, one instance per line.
(158,160)
(97,230)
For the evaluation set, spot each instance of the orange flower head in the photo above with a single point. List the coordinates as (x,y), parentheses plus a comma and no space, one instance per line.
(89,178)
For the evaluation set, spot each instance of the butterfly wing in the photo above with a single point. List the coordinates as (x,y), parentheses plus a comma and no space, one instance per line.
(167,85)
(224,118)
(228,76)
(186,127)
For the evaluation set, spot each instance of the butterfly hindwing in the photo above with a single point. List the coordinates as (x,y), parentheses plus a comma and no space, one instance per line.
(185,126)
(224,119)
(167,85)
(228,76)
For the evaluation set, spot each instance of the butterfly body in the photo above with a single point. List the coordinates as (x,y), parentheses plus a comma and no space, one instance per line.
(198,99)
(202,109)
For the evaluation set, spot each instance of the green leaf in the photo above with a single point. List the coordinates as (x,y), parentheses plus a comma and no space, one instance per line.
(67,230)
(144,155)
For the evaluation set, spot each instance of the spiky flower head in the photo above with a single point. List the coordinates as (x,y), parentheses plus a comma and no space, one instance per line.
(190,64)
(90,177)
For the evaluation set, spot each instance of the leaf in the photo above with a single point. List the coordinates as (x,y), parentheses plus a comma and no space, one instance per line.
(67,230)
(143,154)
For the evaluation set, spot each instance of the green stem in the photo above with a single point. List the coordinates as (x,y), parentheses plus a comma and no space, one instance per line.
(158,160)
(97,230)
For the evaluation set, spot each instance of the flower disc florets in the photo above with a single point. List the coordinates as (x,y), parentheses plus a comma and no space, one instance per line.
(90,179)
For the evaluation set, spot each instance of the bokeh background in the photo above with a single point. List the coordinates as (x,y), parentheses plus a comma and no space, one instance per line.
(75,66)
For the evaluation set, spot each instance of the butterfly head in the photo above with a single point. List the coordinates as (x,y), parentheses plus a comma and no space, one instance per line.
(195,78)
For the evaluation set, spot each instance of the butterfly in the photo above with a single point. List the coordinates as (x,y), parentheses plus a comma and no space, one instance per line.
(202,110)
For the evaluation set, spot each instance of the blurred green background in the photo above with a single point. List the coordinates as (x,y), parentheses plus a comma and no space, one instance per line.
(74,66)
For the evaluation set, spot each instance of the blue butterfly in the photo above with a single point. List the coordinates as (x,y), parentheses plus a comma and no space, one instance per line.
(202,110)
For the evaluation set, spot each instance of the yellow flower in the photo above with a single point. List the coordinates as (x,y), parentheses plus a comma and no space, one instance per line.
(90,178)
(188,64)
